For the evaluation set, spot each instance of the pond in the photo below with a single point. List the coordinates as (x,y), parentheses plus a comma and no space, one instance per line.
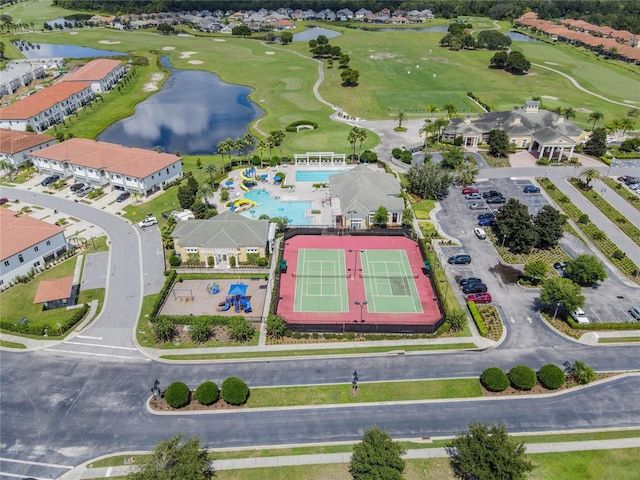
(312,34)
(64,22)
(45,50)
(520,37)
(191,114)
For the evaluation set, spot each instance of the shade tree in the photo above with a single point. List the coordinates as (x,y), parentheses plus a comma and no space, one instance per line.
(377,456)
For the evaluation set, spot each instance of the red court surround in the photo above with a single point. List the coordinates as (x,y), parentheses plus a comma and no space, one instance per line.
(356,291)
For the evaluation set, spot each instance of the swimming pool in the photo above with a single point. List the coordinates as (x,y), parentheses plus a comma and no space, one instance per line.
(273,207)
(317,176)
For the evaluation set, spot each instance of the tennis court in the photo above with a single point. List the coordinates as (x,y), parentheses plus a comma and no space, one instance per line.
(390,285)
(321,281)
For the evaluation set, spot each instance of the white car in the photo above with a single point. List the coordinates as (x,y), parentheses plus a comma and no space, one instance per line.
(480,233)
(478,206)
(148,222)
(579,316)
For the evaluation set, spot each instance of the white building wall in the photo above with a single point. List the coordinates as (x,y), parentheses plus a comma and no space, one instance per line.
(154,182)
(31,257)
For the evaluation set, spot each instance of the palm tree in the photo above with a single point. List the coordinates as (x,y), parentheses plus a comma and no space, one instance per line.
(249,141)
(238,146)
(429,128)
(270,144)
(362,135)
(226,146)
(626,124)
(451,109)
(278,138)
(569,113)
(352,138)
(465,174)
(211,169)
(262,146)
(440,123)
(432,109)
(205,190)
(595,116)
(401,117)
(589,174)
(558,110)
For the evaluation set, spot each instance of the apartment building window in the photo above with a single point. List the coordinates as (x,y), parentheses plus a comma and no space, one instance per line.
(20,258)
(48,242)
(35,249)
(6,263)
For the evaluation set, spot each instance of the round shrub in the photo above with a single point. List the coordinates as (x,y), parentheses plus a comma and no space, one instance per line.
(177,395)
(522,377)
(494,379)
(207,393)
(551,376)
(234,391)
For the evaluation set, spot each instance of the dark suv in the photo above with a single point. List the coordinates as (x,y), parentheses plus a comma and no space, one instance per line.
(491,193)
(474,288)
(496,199)
(459,259)
(49,180)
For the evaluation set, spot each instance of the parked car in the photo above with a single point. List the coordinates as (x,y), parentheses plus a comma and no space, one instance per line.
(479,297)
(531,189)
(473,196)
(474,288)
(579,316)
(459,259)
(478,206)
(84,191)
(468,190)
(495,199)
(491,193)
(480,233)
(635,312)
(560,265)
(148,222)
(76,186)
(49,180)
(486,222)
(123,196)
(3,200)
(486,215)
(469,280)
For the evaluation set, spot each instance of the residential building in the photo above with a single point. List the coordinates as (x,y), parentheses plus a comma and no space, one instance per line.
(100,164)
(16,146)
(25,244)
(102,74)
(17,75)
(47,107)
(218,240)
(357,195)
(528,127)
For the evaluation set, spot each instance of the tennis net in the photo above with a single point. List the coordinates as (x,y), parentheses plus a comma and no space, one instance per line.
(320,275)
(387,275)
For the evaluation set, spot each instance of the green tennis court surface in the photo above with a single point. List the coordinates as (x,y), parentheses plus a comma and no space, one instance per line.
(389,284)
(321,281)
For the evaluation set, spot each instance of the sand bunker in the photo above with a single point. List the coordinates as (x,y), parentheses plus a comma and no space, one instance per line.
(110,42)
(187,54)
(168,48)
(73,33)
(629,101)
(153,84)
(583,110)
(195,62)
(219,40)
(549,97)
(269,52)
(551,63)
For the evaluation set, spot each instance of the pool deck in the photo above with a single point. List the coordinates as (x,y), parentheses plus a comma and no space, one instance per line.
(301,191)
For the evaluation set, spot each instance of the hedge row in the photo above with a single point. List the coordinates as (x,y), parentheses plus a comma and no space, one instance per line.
(601,326)
(41,329)
(523,377)
(166,288)
(217,320)
(477,318)
(234,392)
(478,101)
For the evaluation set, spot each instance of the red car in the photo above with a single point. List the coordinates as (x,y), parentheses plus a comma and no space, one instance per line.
(469,190)
(3,200)
(479,297)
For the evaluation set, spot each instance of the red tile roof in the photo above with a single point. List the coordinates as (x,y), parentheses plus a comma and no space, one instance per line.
(42,100)
(57,289)
(135,162)
(14,141)
(20,233)
(94,70)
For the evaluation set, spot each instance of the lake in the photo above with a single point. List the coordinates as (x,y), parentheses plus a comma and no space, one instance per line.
(312,34)
(191,114)
(45,50)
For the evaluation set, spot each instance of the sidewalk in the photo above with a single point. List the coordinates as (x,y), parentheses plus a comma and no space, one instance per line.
(81,472)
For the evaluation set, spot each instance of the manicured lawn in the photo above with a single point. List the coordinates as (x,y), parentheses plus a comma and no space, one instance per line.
(625,193)
(327,351)
(621,464)
(422,208)
(619,340)
(17,302)
(7,344)
(36,11)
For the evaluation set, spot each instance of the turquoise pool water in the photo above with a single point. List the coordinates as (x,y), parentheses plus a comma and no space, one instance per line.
(273,207)
(316,176)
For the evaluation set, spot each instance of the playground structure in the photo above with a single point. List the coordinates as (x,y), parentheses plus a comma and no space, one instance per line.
(242,204)
(237,298)
(183,294)
(248,179)
(213,288)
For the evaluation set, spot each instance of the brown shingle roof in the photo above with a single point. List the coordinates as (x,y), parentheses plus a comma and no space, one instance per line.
(135,162)
(14,141)
(92,71)
(19,233)
(57,289)
(42,100)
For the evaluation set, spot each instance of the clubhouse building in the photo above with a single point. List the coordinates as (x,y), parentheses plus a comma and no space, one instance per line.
(541,131)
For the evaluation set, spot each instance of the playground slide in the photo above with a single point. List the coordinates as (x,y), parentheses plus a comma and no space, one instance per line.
(243,186)
(226,307)
(244,176)
(247,307)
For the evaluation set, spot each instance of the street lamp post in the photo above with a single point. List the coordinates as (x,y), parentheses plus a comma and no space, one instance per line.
(556,312)
(361,305)
(504,237)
